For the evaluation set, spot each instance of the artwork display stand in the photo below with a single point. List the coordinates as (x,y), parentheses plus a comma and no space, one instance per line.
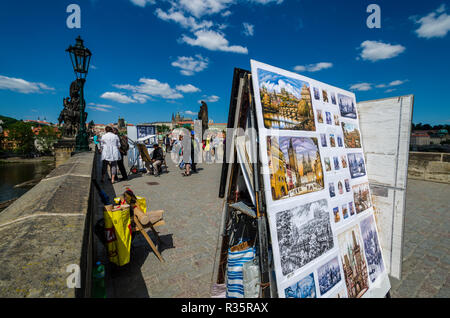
(241,112)
(246,200)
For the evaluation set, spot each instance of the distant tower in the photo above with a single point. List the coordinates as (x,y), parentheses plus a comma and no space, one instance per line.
(293,162)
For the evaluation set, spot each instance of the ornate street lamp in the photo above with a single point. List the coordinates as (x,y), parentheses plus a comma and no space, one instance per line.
(80,57)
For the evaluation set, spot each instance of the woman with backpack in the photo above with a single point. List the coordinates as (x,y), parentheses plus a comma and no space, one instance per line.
(123,151)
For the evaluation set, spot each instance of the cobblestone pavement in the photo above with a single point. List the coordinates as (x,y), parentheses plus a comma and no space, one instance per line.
(426,259)
(192,215)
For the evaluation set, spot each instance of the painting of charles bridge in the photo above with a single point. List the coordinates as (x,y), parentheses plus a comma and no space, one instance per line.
(286,102)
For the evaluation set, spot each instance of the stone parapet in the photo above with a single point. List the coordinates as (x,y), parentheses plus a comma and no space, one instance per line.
(48,229)
(429,166)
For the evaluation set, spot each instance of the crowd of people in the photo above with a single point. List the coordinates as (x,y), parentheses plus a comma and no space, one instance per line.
(114,147)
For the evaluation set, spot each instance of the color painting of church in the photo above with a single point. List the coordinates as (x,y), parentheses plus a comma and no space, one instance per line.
(353,262)
(352,138)
(286,102)
(295,166)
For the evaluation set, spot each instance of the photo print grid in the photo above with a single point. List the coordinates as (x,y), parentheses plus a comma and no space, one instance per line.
(311,179)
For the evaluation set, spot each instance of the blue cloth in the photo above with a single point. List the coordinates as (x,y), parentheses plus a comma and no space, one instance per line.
(235,277)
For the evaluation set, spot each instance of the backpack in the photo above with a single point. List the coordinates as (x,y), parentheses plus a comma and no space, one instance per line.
(124,146)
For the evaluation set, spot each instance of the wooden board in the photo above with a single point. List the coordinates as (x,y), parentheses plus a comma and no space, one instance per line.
(385,126)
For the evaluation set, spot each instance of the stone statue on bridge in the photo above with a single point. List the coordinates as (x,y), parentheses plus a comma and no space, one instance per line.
(203,116)
(70,115)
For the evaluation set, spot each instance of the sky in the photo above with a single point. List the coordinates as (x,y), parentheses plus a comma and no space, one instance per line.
(152,58)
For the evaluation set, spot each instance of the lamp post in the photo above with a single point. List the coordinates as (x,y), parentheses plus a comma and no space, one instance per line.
(80,57)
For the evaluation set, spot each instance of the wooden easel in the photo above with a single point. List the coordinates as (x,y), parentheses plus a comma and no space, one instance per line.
(139,227)
(242,109)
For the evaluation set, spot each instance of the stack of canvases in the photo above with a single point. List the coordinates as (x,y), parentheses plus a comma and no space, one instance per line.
(324,237)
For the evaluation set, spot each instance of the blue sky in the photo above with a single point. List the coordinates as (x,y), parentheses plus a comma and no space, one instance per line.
(153,58)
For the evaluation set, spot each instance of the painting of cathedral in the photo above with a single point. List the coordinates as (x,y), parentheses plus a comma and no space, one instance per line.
(304,288)
(304,234)
(353,263)
(286,102)
(361,196)
(329,274)
(295,166)
(347,106)
(356,165)
(372,248)
(352,138)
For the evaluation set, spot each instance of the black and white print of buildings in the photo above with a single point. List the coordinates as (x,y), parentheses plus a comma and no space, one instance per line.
(356,165)
(372,248)
(347,106)
(329,275)
(304,233)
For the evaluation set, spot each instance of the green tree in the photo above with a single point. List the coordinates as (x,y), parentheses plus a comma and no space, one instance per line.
(22,134)
(46,139)
(163,128)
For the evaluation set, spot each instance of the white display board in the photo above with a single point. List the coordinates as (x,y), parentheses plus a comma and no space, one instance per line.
(323,232)
(386,127)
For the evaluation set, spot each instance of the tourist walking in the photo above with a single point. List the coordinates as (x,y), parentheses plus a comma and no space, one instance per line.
(110,144)
(215,149)
(123,149)
(167,142)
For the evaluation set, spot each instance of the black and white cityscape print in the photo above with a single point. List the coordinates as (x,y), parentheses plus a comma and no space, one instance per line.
(356,165)
(304,233)
(329,275)
(347,106)
(372,248)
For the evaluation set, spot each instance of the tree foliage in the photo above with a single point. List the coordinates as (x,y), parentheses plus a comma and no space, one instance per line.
(22,134)
(47,138)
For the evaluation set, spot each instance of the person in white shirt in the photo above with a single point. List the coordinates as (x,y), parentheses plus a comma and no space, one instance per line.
(110,144)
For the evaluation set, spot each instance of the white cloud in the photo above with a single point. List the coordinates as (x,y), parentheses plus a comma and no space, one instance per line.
(151,87)
(190,65)
(142,3)
(141,98)
(187,88)
(198,8)
(361,87)
(396,83)
(266,1)
(214,41)
(313,67)
(179,17)
(188,112)
(100,109)
(209,99)
(377,50)
(435,24)
(93,66)
(118,97)
(101,105)
(22,86)
(226,13)
(368,86)
(390,90)
(249,29)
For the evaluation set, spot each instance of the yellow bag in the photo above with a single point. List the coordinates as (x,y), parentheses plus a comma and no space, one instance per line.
(118,233)
(141,202)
